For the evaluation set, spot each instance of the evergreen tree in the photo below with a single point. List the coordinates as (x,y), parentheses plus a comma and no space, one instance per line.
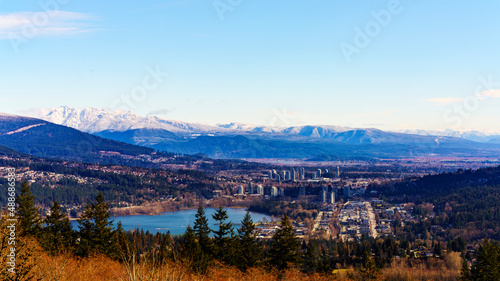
(369,271)
(96,231)
(284,246)
(249,250)
(29,218)
(487,266)
(324,261)
(220,235)
(137,241)
(58,233)
(192,253)
(465,271)
(231,256)
(123,244)
(165,249)
(190,247)
(311,257)
(202,231)
(437,249)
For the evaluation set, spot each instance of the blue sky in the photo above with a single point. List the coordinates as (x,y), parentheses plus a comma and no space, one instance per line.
(384,64)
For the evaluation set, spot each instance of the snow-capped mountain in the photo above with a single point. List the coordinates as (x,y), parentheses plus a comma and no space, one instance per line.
(477,136)
(45,139)
(94,120)
(236,140)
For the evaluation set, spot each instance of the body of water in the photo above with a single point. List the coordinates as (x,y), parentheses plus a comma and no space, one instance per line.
(177,222)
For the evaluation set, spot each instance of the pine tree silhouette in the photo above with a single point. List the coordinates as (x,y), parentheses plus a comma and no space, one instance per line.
(284,246)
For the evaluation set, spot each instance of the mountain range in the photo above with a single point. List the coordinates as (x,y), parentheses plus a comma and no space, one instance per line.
(45,139)
(487,137)
(236,140)
(94,120)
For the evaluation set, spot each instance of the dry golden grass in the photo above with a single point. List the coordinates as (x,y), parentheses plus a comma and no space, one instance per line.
(66,267)
(433,269)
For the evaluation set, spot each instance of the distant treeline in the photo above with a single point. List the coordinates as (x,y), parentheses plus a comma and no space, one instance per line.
(123,186)
(466,199)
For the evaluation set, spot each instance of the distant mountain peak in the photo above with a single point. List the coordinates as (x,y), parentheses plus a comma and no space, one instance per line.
(94,120)
(230,140)
(472,135)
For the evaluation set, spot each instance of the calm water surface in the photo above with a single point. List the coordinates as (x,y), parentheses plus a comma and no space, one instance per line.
(176,222)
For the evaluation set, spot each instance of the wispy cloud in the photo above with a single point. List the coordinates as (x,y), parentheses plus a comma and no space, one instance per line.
(164,111)
(50,23)
(493,93)
(373,114)
(445,100)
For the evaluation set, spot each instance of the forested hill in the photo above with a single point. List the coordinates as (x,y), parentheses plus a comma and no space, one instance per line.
(444,183)
(467,201)
(73,183)
(44,139)
(5,151)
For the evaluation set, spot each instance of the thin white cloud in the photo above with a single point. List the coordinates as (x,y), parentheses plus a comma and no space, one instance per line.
(445,100)
(373,114)
(51,23)
(165,111)
(493,93)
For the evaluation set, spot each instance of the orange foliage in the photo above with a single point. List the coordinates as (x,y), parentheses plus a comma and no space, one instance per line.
(65,266)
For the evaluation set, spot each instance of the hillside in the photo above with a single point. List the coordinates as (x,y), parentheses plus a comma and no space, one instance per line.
(44,139)
(5,151)
(344,145)
(446,183)
(467,201)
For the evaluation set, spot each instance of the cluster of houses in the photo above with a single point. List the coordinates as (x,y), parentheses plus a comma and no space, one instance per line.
(357,218)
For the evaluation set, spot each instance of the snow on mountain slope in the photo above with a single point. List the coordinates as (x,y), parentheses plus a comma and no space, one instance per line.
(94,120)
(24,129)
(490,136)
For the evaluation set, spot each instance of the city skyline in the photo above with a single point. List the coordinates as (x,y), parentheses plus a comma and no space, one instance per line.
(390,65)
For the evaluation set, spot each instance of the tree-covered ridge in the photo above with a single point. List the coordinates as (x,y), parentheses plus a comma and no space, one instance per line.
(294,210)
(5,151)
(467,200)
(76,183)
(45,139)
(430,186)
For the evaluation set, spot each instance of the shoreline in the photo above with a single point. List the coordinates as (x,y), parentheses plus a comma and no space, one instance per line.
(186,209)
(161,213)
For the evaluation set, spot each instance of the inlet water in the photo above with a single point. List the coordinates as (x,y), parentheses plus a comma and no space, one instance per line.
(177,222)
